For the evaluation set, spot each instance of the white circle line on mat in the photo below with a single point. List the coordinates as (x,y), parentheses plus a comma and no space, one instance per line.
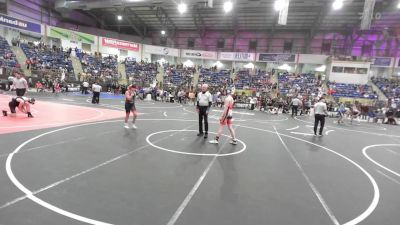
(190,153)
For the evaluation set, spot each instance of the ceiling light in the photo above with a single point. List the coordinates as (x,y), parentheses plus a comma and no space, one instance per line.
(119,17)
(279,5)
(337,4)
(163,32)
(228,6)
(398,5)
(182,7)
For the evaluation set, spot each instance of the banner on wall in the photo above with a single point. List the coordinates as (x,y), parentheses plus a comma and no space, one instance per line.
(114,43)
(236,56)
(382,62)
(20,24)
(197,54)
(159,50)
(75,36)
(272,57)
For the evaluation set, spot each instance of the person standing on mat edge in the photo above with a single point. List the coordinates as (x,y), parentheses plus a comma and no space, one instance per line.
(204,102)
(130,96)
(19,84)
(295,106)
(320,111)
(226,119)
(96,88)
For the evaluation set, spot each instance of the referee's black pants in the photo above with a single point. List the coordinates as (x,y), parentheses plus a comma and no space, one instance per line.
(203,115)
(96,97)
(319,119)
(20,92)
(294,110)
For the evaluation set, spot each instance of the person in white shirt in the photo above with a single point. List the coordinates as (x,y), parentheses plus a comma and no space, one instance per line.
(204,102)
(295,106)
(320,111)
(19,84)
(85,86)
(96,88)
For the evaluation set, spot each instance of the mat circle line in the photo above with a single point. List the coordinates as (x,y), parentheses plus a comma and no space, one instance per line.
(71,215)
(190,153)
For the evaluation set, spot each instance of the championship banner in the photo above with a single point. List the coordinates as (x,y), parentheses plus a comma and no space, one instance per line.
(197,54)
(382,62)
(114,43)
(75,36)
(271,57)
(159,50)
(20,24)
(236,56)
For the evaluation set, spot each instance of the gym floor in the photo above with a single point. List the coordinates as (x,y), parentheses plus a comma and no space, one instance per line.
(74,163)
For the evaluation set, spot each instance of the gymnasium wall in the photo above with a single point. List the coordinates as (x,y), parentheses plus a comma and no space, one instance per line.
(371,44)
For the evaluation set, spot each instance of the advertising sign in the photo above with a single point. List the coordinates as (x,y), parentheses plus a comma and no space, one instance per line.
(159,50)
(272,57)
(75,36)
(20,24)
(114,43)
(236,56)
(197,54)
(382,62)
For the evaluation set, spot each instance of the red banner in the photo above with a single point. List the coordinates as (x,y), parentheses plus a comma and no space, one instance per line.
(114,43)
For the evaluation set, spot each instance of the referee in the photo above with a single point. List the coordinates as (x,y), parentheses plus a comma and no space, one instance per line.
(320,111)
(19,84)
(204,102)
(96,88)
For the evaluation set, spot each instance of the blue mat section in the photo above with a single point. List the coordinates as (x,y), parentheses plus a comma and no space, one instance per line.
(103,95)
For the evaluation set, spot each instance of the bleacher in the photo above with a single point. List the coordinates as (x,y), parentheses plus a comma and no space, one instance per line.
(179,76)
(215,79)
(341,90)
(48,60)
(105,68)
(303,84)
(7,57)
(246,81)
(141,73)
(390,87)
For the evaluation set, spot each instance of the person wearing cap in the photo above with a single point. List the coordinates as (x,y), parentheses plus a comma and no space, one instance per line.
(19,84)
(204,102)
(22,103)
(320,111)
(130,96)
(226,119)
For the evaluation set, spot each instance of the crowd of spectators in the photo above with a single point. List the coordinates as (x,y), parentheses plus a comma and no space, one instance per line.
(351,90)
(390,87)
(259,81)
(215,79)
(141,73)
(7,56)
(304,84)
(46,60)
(97,67)
(179,75)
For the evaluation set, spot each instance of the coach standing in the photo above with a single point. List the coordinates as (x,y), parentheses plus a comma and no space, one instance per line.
(96,88)
(204,102)
(320,111)
(19,84)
